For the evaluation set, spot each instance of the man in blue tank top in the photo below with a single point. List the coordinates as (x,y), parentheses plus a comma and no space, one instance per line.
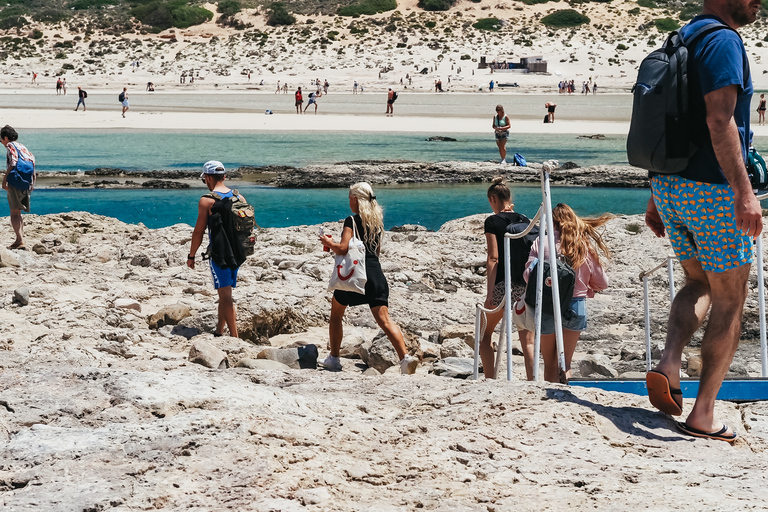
(711,215)
(224,279)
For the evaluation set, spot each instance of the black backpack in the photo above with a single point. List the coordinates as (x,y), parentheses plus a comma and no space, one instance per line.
(520,248)
(659,138)
(566,280)
(394,96)
(121,97)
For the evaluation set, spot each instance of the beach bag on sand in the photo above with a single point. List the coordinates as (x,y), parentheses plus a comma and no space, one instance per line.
(349,269)
(20,177)
(546,118)
(659,138)
(519,160)
(232,233)
(566,280)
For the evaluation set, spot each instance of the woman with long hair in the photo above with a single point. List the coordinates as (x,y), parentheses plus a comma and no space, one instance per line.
(500,199)
(501,127)
(369,223)
(579,242)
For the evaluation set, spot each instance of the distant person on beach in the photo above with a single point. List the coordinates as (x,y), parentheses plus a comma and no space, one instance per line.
(313,96)
(354,88)
(550,110)
(326,85)
(490,86)
(58,86)
(500,199)
(501,127)
(81,95)
(34,78)
(299,101)
(390,102)
(761,110)
(18,160)
(225,258)
(278,87)
(64,86)
(712,233)
(123,97)
(367,224)
(150,87)
(594,88)
(578,241)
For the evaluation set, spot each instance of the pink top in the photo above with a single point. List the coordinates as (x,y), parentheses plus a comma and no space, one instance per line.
(590,276)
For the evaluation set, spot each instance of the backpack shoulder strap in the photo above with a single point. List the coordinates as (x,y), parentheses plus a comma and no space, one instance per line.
(705,29)
(213,195)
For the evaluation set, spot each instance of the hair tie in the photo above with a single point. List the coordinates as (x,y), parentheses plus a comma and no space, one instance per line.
(372,197)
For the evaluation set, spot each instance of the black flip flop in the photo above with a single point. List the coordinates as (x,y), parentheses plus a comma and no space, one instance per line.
(661,395)
(719,435)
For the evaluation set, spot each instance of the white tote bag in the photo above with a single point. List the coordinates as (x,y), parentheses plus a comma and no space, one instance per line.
(349,269)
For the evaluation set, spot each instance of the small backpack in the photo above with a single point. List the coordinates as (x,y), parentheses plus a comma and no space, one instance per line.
(394,96)
(566,280)
(520,160)
(21,176)
(85,95)
(121,97)
(520,248)
(758,174)
(243,221)
(659,138)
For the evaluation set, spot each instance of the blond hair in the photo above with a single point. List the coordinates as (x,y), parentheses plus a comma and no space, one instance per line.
(577,235)
(371,214)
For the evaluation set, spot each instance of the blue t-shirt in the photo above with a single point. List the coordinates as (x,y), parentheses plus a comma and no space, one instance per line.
(719,60)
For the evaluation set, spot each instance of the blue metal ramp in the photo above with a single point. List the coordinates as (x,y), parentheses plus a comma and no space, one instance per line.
(738,390)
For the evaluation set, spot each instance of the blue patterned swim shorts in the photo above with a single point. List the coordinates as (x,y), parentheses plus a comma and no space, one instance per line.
(700,222)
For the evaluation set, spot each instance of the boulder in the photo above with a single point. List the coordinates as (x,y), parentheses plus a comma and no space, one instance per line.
(694,366)
(297,358)
(206,354)
(455,367)
(597,363)
(140,260)
(21,296)
(262,364)
(127,304)
(351,343)
(204,322)
(103,256)
(7,259)
(268,318)
(465,332)
(455,347)
(380,354)
(169,315)
(39,248)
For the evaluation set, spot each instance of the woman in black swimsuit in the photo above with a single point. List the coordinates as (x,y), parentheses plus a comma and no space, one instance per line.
(761,110)
(369,220)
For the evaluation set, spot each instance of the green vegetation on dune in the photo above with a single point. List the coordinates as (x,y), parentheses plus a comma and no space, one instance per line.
(91,4)
(164,14)
(436,5)
(368,7)
(492,24)
(666,24)
(278,15)
(564,18)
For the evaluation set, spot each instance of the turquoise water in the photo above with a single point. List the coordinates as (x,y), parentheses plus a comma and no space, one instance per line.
(429,205)
(73,150)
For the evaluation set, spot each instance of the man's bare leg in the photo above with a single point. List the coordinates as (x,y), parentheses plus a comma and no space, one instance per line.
(719,344)
(335,327)
(17,223)
(227,312)
(688,311)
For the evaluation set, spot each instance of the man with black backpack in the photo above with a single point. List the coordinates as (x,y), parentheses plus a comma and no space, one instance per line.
(81,95)
(18,181)
(710,213)
(225,251)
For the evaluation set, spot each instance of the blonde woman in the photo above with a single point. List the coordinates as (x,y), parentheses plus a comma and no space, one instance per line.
(369,220)
(580,243)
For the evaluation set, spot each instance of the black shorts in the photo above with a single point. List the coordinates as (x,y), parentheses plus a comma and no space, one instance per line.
(376,288)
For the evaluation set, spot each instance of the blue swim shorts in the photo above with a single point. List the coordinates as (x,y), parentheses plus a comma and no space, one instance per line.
(700,221)
(223,277)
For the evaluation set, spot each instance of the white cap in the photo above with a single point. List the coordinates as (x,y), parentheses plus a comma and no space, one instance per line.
(213,167)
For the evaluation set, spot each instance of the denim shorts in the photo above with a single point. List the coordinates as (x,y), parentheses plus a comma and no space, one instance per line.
(574,318)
